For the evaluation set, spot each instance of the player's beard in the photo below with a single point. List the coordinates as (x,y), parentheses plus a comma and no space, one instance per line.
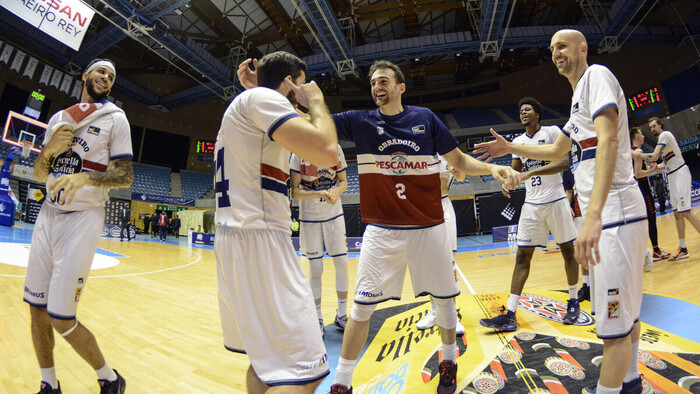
(292,97)
(90,87)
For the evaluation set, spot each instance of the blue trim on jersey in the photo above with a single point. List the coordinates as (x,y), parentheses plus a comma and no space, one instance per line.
(275,186)
(341,170)
(567,242)
(687,210)
(279,122)
(34,304)
(444,197)
(293,170)
(338,255)
(619,336)
(544,203)
(402,228)
(377,302)
(565,133)
(661,143)
(60,317)
(531,246)
(230,349)
(124,156)
(623,222)
(425,293)
(320,221)
(300,382)
(671,172)
(588,154)
(608,105)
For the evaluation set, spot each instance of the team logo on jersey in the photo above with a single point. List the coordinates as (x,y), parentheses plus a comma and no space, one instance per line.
(613,309)
(399,164)
(380,130)
(613,292)
(67,162)
(574,108)
(540,142)
(575,154)
(420,129)
(93,130)
(78,291)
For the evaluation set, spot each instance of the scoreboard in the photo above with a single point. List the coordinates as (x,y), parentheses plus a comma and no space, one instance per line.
(645,102)
(205,146)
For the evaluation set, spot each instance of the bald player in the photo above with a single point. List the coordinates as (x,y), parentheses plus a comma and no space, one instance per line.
(612,241)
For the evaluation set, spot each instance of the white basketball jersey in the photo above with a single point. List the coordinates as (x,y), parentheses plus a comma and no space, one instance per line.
(670,152)
(445,174)
(540,189)
(597,90)
(251,168)
(314,178)
(95,143)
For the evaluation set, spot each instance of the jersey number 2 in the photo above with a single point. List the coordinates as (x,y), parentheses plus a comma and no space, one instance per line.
(221,186)
(400,190)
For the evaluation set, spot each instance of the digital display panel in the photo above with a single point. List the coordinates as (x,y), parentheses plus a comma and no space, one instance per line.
(205,146)
(643,99)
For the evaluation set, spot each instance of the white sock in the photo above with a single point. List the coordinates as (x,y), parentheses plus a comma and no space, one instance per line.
(606,390)
(106,373)
(682,242)
(318,311)
(48,375)
(433,310)
(513,300)
(449,352)
(573,292)
(633,371)
(587,280)
(342,307)
(343,373)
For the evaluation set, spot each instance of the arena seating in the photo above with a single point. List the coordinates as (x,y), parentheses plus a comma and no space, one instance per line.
(195,184)
(151,180)
(475,117)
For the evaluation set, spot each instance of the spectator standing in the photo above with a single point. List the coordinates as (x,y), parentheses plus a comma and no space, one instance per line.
(163,222)
(175,223)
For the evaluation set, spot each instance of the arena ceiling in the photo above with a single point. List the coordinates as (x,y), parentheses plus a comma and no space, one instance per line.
(172,53)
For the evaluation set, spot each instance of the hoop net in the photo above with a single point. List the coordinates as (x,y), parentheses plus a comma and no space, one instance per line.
(26,148)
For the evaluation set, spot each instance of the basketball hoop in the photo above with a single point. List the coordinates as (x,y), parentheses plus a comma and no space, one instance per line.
(26,148)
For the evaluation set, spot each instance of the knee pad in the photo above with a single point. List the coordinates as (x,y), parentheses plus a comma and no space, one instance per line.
(361,312)
(315,272)
(446,312)
(341,273)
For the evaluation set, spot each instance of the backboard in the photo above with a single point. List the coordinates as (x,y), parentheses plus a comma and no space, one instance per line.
(19,128)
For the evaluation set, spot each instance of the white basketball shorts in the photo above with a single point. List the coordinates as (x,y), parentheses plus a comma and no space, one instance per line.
(679,184)
(331,233)
(60,257)
(450,222)
(617,279)
(386,252)
(266,306)
(537,220)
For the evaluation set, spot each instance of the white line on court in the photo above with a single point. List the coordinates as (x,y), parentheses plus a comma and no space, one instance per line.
(464,278)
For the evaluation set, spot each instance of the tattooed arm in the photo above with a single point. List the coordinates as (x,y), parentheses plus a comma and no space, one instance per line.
(119,173)
(59,142)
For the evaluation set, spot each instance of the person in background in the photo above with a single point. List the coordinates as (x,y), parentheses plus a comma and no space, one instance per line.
(154,224)
(146,223)
(163,222)
(175,223)
(126,224)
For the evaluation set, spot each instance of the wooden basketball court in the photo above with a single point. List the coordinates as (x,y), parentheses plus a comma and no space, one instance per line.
(155,316)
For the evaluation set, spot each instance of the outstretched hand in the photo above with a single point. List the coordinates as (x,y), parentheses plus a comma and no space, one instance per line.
(247,77)
(492,149)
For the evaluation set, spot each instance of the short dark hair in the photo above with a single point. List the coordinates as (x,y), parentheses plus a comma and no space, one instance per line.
(654,118)
(273,68)
(533,103)
(634,131)
(385,64)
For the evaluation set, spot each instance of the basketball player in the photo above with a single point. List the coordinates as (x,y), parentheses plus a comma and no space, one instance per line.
(266,303)
(545,209)
(447,177)
(679,183)
(87,153)
(322,224)
(612,242)
(641,172)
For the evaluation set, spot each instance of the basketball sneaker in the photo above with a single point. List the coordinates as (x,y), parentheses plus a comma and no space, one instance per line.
(584,293)
(632,387)
(341,321)
(572,310)
(504,322)
(47,389)
(648,261)
(460,328)
(660,255)
(681,254)
(340,389)
(448,377)
(428,321)
(116,387)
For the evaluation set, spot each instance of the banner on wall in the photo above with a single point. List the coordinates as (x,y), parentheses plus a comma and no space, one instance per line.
(170,208)
(65,84)
(17,61)
(30,68)
(46,75)
(77,89)
(56,78)
(189,202)
(6,53)
(66,21)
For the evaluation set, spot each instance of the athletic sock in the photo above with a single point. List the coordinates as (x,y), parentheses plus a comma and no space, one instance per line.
(342,307)
(106,373)
(587,280)
(682,242)
(343,373)
(573,292)
(607,390)
(449,352)
(318,312)
(48,375)
(513,300)
(633,371)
